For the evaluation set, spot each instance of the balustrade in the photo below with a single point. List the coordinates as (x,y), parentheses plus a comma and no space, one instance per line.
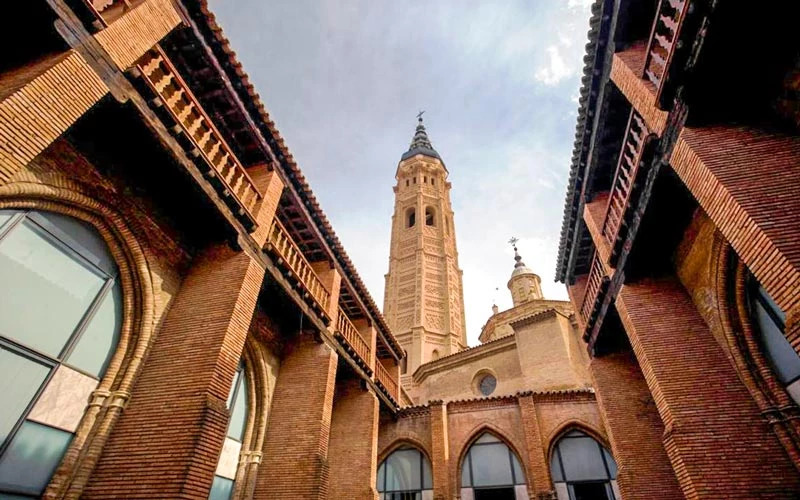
(206,141)
(630,157)
(663,39)
(594,286)
(385,381)
(345,330)
(281,244)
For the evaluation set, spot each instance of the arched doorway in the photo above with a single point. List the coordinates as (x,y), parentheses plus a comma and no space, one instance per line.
(582,469)
(491,471)
(405,475)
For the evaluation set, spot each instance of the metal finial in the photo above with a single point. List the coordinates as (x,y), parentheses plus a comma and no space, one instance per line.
(419,115)
(513,241)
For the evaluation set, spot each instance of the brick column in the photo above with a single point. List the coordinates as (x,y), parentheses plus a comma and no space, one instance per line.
(370,334)
(353,447)
(167,440)
(634,428)
(719,445)
(295,454)
(440,453)
(538,469)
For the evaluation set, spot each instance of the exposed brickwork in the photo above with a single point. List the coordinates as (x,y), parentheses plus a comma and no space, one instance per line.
(716,440)
(170,435)
(40,102)
(755,209)
(295,463)
(626,72)
(634,429)
(440,452)
(538,467)
(353,452)
(133,34)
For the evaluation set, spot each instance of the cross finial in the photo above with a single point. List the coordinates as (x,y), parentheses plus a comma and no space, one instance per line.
(419,115)
(513,241)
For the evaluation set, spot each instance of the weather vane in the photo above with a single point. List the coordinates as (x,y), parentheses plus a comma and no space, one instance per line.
(419,115)
(513,241)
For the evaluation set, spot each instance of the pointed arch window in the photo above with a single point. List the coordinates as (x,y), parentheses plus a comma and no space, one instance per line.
(59,326)
(238,405)
(582,468)
(405,475)
(430,216)
(411,217)
(491,470)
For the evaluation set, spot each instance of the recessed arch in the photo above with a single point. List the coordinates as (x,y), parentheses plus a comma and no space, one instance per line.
(410,217)
(64,197)
(430,216)
(404,471)
(580,465)
(490,464)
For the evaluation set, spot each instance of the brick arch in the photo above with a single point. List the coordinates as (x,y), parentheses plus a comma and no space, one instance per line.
(401,441)
(138,325)
(473,436)
(745,350)
(578,425)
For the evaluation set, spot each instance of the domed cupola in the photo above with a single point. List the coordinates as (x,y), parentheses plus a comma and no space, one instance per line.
(524,284)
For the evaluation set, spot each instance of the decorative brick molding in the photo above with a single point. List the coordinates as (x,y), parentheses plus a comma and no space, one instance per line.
(46,98)
(626,71)
(136,333)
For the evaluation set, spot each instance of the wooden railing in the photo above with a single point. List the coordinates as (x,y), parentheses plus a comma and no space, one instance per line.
(162,77)
(108,10)
(385,380)
(630,157)
(299,268)
(663,39)
(594,285)
(345,330)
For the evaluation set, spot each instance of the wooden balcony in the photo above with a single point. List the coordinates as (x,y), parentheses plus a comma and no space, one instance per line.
(107,11)
(289,256)
(199,136)
(630,158)
(347,334)
(385,381)
(596,285)
(663,40)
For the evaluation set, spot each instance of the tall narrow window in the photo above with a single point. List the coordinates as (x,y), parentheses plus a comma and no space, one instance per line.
(404,475)
(430,219)
(770,323)
(490,470)
(222,487)
(582,468)
(411,217)
(59,326)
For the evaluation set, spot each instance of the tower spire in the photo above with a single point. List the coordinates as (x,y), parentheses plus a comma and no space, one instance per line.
(524,284)
(420,143)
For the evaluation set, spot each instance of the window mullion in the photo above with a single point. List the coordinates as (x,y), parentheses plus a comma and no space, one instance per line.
(86,319)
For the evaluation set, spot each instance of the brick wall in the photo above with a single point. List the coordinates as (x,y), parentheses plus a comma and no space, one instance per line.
(717,442)
(295,463)
(353,450)
(634,429)
(167,441)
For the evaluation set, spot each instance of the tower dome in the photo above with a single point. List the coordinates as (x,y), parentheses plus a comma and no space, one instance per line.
(524,284)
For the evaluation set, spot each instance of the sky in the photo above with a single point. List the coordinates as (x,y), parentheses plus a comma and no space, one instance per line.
(344,79)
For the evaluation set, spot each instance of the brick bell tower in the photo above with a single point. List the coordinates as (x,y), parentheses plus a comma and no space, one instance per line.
(424,297)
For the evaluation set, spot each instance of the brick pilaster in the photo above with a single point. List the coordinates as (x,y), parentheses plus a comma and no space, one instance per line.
(295,453)
(719,445)
(353,452)
(634,428)
(538,470)
(167,441)
(332,281)
(440,452)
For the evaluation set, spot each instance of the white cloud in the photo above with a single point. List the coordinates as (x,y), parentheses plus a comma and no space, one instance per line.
(556,68)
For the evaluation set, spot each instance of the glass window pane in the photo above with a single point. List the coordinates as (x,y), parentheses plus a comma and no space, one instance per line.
(490,465)
(80,236)
(487,438)
(52,289)
(771,303)
(465,473)
(403,471)
(5,216)
(32,457)
(427,473)
(234,384)
(582,459)
(555,467)
(239,411)
(99,340)
(783,356)
(519,476)
(612,465)
(221,489)
(20,378)
(381,477)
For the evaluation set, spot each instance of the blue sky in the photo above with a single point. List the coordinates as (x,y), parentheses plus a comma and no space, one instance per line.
(499,81)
